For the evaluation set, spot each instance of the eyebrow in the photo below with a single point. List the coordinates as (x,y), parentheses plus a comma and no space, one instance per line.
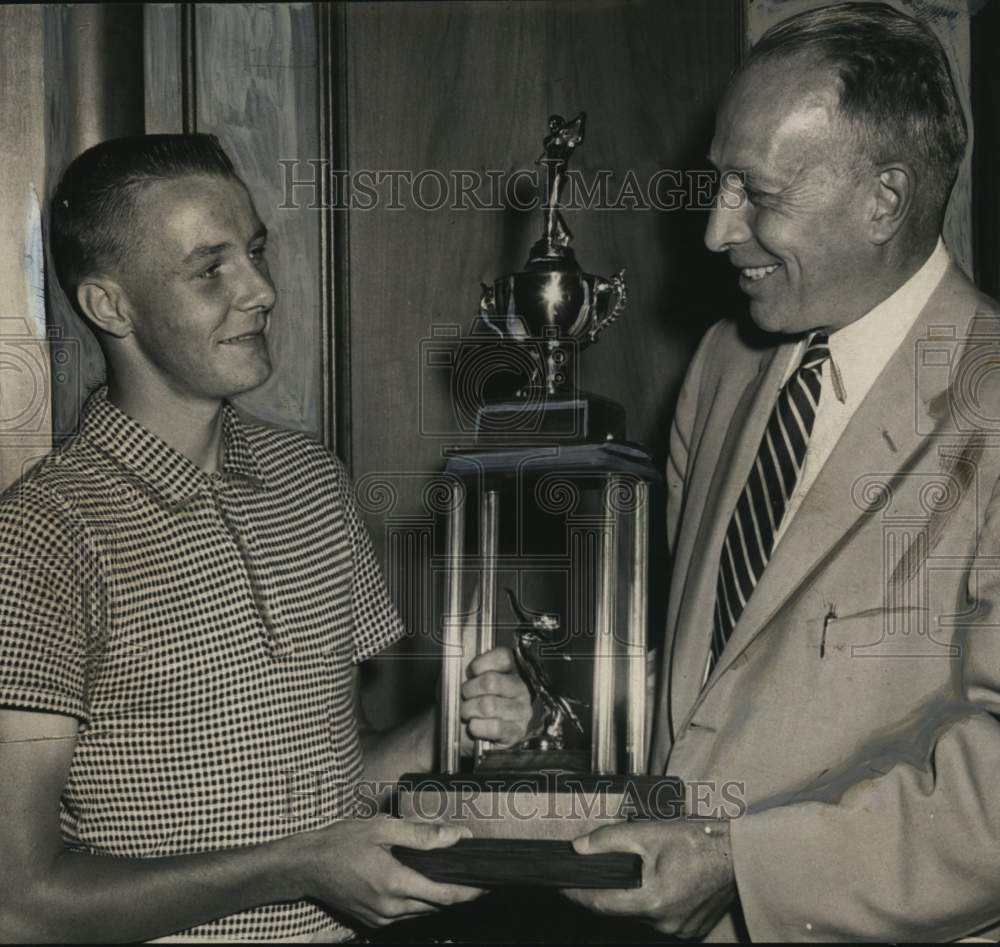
(750,176)
(207,250)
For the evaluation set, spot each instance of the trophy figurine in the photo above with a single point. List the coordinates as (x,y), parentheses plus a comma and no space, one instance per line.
(557,462)
(547,733)
(559,144)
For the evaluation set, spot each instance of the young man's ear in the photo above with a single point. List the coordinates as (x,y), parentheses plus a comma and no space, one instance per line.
(894,195)
(106,305)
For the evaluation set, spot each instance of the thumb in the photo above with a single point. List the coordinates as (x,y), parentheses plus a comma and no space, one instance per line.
(428,835)
(621,837)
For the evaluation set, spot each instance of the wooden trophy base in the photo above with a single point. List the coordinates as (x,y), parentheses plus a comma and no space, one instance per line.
(523,825)
(516,762)
(495,863)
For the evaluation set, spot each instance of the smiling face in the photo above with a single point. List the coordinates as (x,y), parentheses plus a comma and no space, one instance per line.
(198,288)
(799,236)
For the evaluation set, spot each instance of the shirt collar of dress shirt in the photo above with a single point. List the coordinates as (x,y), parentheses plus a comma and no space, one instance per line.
(154,462)
(860,350)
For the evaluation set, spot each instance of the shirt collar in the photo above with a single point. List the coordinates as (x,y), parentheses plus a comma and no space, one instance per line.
(155,463)
(860,350)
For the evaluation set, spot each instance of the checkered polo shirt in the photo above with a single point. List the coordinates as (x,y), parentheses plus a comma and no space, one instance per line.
(202,628)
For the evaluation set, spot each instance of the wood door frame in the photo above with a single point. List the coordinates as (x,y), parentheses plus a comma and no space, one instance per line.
(181,114)
(335,319)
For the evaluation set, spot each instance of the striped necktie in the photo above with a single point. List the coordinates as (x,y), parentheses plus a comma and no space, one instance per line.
(755,522)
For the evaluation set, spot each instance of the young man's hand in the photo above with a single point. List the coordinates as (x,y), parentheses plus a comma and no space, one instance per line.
(496,705)
(347,866)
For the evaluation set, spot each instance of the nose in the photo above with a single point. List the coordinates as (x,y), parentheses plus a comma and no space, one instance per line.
(256,289)
(728,221)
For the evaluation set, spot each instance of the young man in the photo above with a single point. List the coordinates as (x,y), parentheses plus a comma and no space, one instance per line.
(182,600)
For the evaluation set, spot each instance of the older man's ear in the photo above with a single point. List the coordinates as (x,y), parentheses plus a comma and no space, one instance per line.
(893,202)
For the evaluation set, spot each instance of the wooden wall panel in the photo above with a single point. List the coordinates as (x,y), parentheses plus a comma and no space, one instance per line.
(468,86)
(248,73)
(163,62)
(256,90)
(93,91)
(24,371)
(72,75)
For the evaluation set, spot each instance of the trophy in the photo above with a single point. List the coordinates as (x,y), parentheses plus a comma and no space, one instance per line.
(547,454)
(555,310)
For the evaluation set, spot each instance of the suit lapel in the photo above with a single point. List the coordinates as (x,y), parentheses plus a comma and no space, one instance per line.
(717,480)
(882,438)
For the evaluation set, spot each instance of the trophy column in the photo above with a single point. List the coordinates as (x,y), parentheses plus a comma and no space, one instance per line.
(638,612)
(625,526)
(451,657)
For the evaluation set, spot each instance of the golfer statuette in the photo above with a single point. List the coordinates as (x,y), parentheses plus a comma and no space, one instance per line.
(556,710)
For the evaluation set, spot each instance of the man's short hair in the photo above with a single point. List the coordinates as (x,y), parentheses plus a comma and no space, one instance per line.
(92,212)
(896,90)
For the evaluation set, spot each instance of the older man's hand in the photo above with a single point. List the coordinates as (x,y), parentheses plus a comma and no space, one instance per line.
(496,705)
(687,874)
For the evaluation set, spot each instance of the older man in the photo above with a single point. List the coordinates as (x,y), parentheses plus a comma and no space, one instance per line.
(183,596)
(833,655)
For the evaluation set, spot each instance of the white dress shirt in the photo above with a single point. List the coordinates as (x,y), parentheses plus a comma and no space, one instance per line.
(858,353)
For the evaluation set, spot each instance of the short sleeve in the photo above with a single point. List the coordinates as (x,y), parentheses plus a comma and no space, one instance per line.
(44,610)
(376,621)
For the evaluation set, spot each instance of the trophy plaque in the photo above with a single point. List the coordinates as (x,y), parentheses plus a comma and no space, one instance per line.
(547,455)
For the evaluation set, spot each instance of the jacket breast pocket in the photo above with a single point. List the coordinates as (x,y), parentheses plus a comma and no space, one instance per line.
(886,662)
(881,633)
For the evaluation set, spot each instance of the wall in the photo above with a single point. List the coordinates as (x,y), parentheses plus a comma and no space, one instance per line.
(25,420)
(71,76)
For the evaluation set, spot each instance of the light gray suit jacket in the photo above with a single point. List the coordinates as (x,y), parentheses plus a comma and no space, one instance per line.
(851,715)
